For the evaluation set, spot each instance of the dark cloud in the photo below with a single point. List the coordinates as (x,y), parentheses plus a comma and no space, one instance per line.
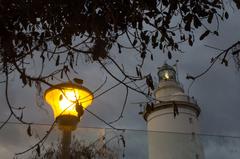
(217,93)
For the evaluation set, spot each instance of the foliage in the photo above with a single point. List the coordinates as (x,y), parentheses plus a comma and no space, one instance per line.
(58,31)
(79,150)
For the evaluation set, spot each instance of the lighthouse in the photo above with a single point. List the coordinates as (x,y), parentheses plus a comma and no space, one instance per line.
(172,121)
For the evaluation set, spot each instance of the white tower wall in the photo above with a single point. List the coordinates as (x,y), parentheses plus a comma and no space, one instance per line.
(163,120)
(173,137)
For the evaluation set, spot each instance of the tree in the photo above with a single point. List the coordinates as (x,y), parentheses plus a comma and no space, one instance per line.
(79,149)
(59,32)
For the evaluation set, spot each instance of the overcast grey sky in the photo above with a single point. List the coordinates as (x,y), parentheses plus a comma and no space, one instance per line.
(218,93)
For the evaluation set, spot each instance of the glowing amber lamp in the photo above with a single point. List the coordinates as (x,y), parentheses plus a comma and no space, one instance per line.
(64,97)
(68,101)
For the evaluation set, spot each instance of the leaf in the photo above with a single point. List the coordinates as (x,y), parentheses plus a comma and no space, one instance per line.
(137,72)
(226,15)
(149,81)
(212,60)
(78,81)
(190,77)
(225,62)
(188,26)
(38,150)
(42,57)
(216,33)
(210,17)
(21,117)
(160,46)
(190,41)
(204,35)
(79,110)
(146,20)
(152,57)
(143,54)
(236,52)
(237,2)
(134,42)
(119,48)
(61,75)
(169,55)
(123,141)
(30,83)
(57,61)
(29,130)
(188,20)
(60,97)
(140,74)
(197,23)
(23,77)
(175,109)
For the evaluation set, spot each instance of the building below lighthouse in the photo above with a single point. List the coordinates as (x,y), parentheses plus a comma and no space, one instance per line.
(172,122)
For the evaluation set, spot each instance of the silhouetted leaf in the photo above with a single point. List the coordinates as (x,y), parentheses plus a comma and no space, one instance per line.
(137,71)
(57,61)
(188,20)
(237,2)
(190,41)
(190,77)
(188,26)
(236,52)
(146,20)
(226,15)
(23,77)
(143,54)
(197,23)
(152,57)
(225,62)
(119,48)
(21,117)
(134,42)
(38,149)
(210,17)
(149,81)
(169,55)
(160,46)
(78,81)
(29,130)
(175,109)
(56,41)
(204,35)
(216,33)
(60,97)
(123,140)
(79,110)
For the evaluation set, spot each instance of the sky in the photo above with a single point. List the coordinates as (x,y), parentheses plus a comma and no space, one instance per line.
(217,94)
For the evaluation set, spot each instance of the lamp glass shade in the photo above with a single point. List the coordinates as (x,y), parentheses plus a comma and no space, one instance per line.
(63,98)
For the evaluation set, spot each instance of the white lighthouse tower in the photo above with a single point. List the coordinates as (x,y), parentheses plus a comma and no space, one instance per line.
(172,122)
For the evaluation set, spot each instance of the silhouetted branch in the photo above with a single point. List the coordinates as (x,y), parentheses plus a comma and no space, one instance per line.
(221,56)
(6,121)
(41,141)
(96,116)
(123,108)
(134,89)
(9,104)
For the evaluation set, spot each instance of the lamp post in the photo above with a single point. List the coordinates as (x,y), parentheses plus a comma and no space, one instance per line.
(68,101)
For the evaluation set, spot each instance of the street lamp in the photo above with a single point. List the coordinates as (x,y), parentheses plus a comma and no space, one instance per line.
(68,101)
